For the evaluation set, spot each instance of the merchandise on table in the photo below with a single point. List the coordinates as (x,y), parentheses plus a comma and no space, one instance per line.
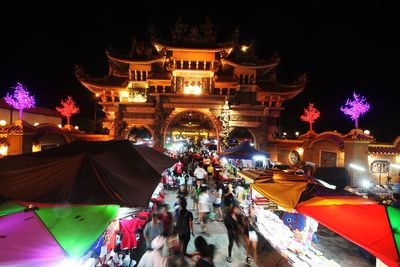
(294,245)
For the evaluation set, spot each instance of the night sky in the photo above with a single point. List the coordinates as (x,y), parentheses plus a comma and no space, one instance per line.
(343,47)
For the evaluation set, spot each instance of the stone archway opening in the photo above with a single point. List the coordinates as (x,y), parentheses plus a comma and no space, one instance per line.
(191,130)
(140,135)
(239,135)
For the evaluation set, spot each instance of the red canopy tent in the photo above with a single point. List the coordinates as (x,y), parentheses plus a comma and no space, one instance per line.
(372,226)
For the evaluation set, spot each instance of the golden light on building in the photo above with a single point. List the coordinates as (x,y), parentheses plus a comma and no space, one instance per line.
(370,159)
(137,98)
(3,150)
(36,148)
(192,89)
(244,48)
(36,124)
(3,123)
(59,126)
(123,95)
(300,150)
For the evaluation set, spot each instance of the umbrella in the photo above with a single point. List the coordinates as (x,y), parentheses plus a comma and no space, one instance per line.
(372,226)
(37,234)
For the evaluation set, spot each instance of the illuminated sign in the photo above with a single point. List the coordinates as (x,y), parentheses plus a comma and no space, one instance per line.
(192,87)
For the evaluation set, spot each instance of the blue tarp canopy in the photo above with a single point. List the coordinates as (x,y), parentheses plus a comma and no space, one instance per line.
(243,151)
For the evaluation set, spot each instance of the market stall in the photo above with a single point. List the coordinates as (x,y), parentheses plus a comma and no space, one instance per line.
(108,172)
(292,241)
(372,226)
(43,234)
(241,157)
(274,195)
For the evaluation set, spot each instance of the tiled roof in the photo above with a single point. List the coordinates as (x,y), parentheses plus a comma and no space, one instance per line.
(93,137)
(225,77)
(10,129)
(3,141)
(195,46)
(253,63)
(384,149)
(160,75)
(287,141)
(134,58)
(107,81)
(18,128)
(308,135)
(69,129)
(37,110)
(357,135)
(276,87)
(332,136)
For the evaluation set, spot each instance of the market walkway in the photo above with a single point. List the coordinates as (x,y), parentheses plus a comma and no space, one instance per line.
(334,246)
(218,236)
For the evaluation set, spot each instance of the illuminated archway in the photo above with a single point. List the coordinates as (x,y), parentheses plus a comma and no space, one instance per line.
(140,134)
(238,135)
(182,116)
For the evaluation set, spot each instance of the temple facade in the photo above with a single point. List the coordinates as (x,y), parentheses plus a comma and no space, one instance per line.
(156,84)
(376,161)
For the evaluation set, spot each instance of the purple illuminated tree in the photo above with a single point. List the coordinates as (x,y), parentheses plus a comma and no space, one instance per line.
(68,108)
(310,114)
(355,108)
(20,99)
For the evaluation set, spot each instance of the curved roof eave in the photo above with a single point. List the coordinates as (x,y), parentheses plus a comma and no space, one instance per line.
(157,44)
(264,66)
(132,61)
(95,88)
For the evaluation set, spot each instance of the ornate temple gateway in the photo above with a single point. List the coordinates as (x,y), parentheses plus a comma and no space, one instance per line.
(192,85)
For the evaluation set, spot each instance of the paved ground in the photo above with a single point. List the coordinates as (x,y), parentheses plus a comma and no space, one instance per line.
(334,246)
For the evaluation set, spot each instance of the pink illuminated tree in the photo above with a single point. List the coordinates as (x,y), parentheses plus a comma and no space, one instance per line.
(355,108)
(20,99)
(68,108)
(310,115)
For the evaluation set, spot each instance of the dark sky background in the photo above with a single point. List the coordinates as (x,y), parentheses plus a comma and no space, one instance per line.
(343,47)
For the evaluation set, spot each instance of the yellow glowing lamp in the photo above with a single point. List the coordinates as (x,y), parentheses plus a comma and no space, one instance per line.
(244,48)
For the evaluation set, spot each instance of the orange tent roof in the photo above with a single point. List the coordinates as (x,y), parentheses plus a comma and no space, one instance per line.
(284,193)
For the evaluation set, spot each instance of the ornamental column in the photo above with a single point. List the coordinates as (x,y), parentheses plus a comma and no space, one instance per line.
(273,124)
(356,153)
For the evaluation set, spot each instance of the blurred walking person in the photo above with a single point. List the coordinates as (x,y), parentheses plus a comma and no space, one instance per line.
(152,229)
(204,208)
(206,251)
(184,226)
(253,238)
(218,202)
(231,221)
(166,218)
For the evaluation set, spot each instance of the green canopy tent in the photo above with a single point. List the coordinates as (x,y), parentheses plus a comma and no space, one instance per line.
(37,234)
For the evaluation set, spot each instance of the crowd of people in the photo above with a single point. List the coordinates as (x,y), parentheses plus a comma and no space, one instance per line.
(212,200)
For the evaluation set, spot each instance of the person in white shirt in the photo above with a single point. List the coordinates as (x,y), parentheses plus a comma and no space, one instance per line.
(154,258)
(217,201)
(200,173)
(204,208)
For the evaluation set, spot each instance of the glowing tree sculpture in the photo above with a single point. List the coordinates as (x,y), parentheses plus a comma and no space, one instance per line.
(20,99)
(310,115)
(355,108)
(68,108)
